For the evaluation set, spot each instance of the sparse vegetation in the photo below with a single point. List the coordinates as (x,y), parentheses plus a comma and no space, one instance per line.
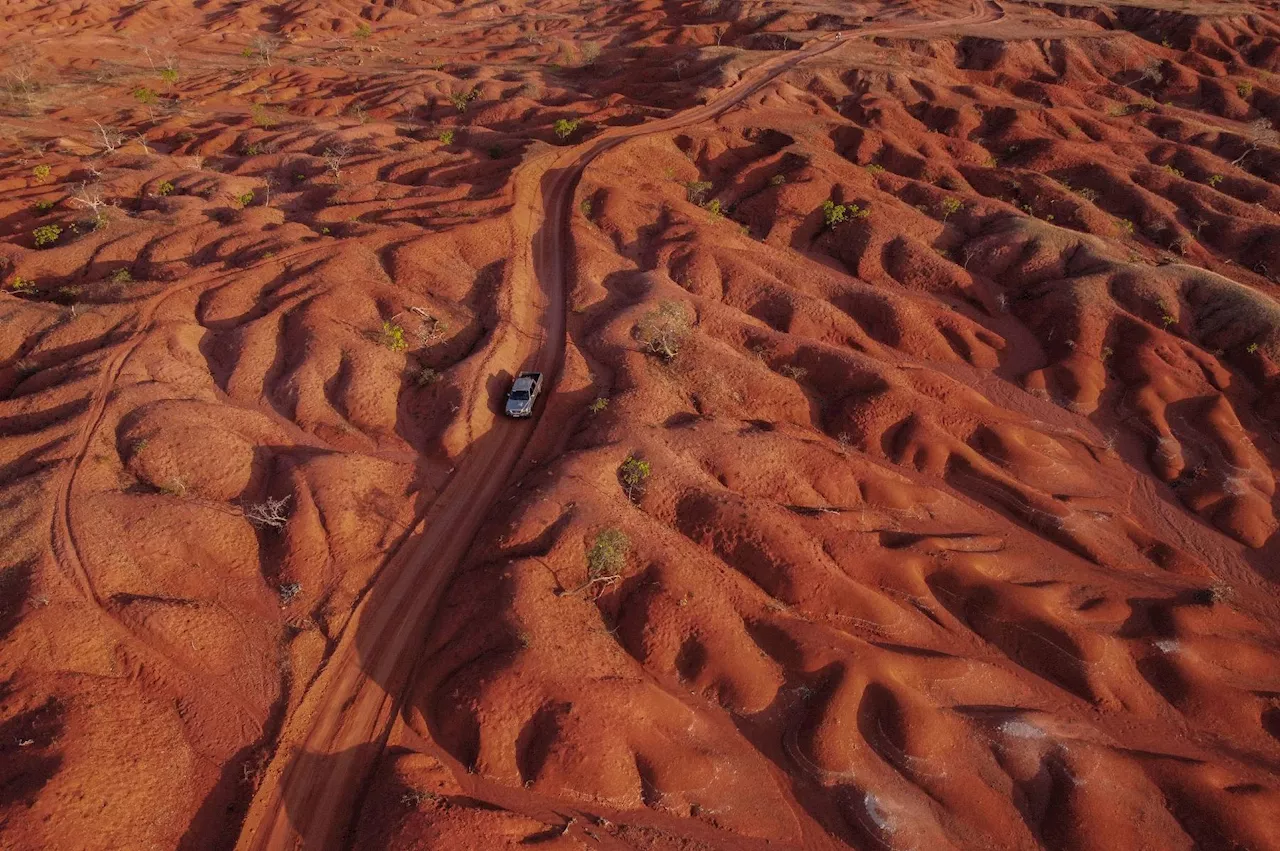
(145,96)
(461,100)
(875,168)
(833,213)
(566,127)
(1244,89)
(261,116)
(41,172)
(334,158)
(43,206)
(244,199)
(607,556)
(696,190)
(1214,180)
(664,329)
(165,188)
(363,31)
(393,337)
(268,514)
(121,276)
(634,473)
(288,592)
(950,206)
(598,405)
(46,235)
(425,376)
(22,285)
(446,137)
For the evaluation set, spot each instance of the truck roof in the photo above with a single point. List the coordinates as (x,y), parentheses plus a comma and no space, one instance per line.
(525,381)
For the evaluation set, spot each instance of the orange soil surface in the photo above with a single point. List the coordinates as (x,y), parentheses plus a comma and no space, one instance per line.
(959,522)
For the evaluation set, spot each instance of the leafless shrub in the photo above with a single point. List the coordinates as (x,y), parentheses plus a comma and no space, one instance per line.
(264,47)
(108,138)
(334,158)
(288,591)
(1260,133)
(89,196)
(664,329)
(269,514)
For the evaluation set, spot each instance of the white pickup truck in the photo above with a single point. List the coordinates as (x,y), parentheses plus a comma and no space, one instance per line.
(524,392)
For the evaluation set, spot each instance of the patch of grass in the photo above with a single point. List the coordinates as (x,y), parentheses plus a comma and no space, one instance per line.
(121,276)
(446,137)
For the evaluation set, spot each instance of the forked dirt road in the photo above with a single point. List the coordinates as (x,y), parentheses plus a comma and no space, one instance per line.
(344,717)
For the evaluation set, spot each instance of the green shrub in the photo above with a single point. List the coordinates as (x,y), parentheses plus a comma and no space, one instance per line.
(607,556)
(122,276)
(633,473)
(145,96)
(44,205)
(951,206)
(1244,89)
(1214,179)
(20,284)
(565,127)
(46,235)
(461,99)
(446,137)
(598,405)
(165,188)
(393,337)
(363,31)
(875,168)
(833,213)
(41,172)
(245,199)
(169,76)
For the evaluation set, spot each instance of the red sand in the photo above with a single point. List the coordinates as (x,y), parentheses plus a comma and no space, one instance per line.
(959,528)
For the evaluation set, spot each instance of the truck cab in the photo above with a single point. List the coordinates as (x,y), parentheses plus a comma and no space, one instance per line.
(524,392)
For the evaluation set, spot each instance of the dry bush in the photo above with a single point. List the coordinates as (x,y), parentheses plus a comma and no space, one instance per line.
(269,514)
(664,329)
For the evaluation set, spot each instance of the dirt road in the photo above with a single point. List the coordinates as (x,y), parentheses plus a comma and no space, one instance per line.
(346,713)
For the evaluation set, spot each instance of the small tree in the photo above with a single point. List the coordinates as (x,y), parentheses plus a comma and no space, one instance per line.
(633,474)
(664,329)
(950,206)
(460,100)
(1260,133)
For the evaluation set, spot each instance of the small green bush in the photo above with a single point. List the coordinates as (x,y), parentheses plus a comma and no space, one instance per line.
(833,213)
(164,189)
(363,31)
(565,127)
(46,235)
(1214,179)
(44,205)
(598,405)
(446,137)
(41,172)
(145,96)
(393,337)
(633,474)
(245,199)
(664,329)
(1244,89)
(169,76)
(951,206)
(607,556)
(122,276)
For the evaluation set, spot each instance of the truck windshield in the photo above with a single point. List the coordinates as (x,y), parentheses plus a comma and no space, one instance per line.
(520,395)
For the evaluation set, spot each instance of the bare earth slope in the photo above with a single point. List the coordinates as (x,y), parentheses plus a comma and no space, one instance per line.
(906,477)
